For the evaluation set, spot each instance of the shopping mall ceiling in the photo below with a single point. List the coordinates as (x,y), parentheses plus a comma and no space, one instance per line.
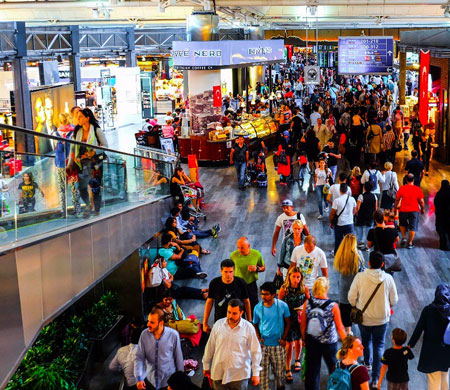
(286,14)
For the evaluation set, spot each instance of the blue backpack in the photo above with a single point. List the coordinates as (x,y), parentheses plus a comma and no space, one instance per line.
(373,179)
(341,378)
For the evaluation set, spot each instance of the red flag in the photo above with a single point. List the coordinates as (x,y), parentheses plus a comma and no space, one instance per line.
(217,93)
(423,86)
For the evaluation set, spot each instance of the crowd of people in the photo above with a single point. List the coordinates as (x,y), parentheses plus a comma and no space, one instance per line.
(344,135)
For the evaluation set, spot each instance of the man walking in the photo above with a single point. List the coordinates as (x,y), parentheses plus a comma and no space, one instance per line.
(378,311)
(344,208)
(309,258)
(271,318)
(222,290)
(231,351)
(239,157)
(160,348)
(248,263)
(415,167)
(411,200)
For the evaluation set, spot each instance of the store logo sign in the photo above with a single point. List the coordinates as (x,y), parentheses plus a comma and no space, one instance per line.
(180,53)
(207,53)
(259,50)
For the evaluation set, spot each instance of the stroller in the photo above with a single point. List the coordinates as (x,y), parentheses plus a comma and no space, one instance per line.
(250,175)
(189,194)
(261,179)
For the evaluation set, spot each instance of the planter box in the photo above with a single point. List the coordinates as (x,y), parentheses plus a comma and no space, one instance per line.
(104,346)
(88,371)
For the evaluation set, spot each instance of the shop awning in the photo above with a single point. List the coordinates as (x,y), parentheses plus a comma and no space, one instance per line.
(436,40)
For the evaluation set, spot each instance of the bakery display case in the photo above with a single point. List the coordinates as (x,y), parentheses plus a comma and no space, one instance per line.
(271,123)
(261,127)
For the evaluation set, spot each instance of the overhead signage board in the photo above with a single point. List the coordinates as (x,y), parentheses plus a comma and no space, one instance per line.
(205,55)
(365,55)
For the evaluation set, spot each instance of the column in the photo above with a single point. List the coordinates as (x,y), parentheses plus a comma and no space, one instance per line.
(202,27)
(130,56)
(74,59)
(256,73)
(402,80)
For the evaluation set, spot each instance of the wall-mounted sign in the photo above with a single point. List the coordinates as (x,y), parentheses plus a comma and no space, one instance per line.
(204,55)
(365,55)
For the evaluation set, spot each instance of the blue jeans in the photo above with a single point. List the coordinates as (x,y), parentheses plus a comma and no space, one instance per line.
(333,170)
(373,335)
(360,232)
(317,351)
(339,233)
(405,139)
(240,172)
(186,270)
(320,198)
(301,173)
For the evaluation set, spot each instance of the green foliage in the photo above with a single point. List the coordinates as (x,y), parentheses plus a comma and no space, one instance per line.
(59,353)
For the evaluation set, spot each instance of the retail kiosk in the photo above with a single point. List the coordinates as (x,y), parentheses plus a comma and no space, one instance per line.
(204,61)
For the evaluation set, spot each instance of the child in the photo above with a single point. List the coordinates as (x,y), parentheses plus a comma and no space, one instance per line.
(302,161)
(396,359)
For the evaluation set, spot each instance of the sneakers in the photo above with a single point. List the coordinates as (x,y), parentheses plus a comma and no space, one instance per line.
(320,216)
(368,366)
(215,230)
(403,243)
(410,246)
(201,275)
(327,209)
(332,253)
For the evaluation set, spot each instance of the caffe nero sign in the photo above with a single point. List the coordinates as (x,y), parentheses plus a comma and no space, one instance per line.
(204,55)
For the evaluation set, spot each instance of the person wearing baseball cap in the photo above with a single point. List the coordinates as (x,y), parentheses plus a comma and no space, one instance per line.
(285,220)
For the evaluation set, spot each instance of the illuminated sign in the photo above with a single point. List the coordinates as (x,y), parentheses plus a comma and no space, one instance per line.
(204,55)
(365,55)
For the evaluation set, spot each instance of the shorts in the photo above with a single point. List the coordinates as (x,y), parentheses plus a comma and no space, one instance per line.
(410,220)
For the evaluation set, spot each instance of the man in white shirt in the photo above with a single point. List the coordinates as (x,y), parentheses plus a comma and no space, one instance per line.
(309,258)
(345,208)
(335,191)
(376,177)
(285,221)
(314,117)
(377,315)
(233,351)
(125,357)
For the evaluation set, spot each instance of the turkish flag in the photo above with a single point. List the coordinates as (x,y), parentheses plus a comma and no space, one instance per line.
(423,86)
(217,93)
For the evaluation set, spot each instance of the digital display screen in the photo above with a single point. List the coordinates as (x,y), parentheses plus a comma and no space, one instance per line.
(365,55)
(46,105)
(204,55)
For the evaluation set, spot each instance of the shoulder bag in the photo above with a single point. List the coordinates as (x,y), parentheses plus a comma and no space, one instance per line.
(391,192)
(335,219)
(356,315)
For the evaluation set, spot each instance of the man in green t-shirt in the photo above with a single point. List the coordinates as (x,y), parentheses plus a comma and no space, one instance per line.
(249,263)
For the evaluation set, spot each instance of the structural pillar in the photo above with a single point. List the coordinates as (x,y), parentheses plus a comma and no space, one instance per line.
(202,26)
(130,56)
(402,80)
(75,63)
(256,73)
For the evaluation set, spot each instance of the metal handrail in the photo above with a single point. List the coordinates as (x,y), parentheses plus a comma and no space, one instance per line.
(71,141)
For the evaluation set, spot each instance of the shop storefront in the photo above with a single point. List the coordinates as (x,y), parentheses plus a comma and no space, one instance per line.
(207,63)
(433,49)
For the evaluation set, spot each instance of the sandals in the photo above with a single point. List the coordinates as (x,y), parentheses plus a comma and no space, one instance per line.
(289,377)
(205,252)
(298,365)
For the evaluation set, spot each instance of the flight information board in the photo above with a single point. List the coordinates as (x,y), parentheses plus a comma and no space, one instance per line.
(365,55)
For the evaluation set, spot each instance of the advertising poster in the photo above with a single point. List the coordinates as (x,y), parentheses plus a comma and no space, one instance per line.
(46,105)
(423,86)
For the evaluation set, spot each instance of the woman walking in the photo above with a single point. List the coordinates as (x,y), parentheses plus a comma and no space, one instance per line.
(294,293)
(321,179)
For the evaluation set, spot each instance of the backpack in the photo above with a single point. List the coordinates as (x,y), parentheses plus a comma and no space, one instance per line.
(317,324)
(355,186)
(341,378)
(282,158)
(373,179)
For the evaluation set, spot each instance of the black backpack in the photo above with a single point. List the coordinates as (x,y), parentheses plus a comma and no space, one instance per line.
(282,158)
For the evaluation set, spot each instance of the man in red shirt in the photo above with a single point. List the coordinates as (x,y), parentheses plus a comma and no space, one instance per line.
(411,201)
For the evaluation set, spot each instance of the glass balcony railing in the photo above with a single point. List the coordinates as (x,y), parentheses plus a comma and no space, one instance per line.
(70,183)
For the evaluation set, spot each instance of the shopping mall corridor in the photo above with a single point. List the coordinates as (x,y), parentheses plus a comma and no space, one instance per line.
(252,213)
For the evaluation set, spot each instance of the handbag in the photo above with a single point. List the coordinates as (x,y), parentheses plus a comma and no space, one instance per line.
(391,192)
(392,262)
(335,219)
(278,281)
(356,315)
(184,326)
